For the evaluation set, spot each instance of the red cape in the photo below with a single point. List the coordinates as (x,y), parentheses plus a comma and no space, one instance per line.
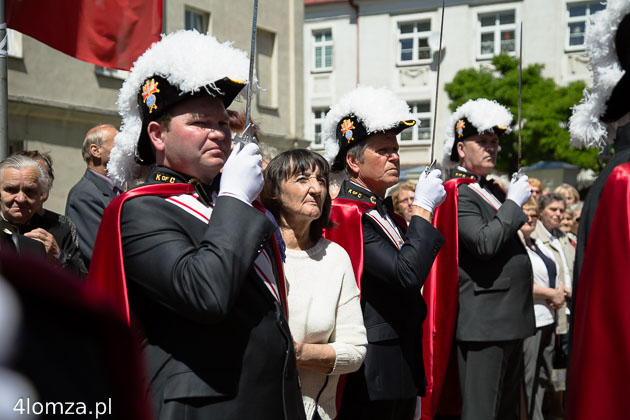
(346,214)
(107,270)
(600,359)
(442,393)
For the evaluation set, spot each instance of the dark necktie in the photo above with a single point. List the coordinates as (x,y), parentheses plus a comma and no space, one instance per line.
(382,205)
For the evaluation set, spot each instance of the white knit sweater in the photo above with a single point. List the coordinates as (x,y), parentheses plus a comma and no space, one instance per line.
(324,308)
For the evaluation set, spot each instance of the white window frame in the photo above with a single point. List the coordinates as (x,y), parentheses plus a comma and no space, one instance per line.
(203,15)
(415,36)
(417,129)
(577,19)
(318,121)
(323,44)
(496,29)
(113,73)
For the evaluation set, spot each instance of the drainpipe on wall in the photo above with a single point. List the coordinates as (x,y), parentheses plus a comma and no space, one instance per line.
(356,20)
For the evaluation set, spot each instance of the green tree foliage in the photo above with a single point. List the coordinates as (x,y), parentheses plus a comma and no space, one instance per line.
(546,108)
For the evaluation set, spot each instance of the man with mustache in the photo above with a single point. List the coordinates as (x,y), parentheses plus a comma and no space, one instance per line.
(495,276)
(390,260)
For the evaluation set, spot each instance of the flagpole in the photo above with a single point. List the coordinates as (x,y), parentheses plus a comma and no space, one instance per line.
(4,90)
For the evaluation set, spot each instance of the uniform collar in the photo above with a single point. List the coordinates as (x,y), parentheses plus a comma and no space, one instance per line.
(354,191)
(461,172)
(164,175)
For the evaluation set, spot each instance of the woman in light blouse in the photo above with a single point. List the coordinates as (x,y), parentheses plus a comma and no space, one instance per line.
(323,299)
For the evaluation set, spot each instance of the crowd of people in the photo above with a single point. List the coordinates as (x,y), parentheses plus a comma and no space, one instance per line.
(296,286)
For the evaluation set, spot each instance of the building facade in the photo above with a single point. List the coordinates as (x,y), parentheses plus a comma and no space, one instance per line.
(55,99)
(395,43)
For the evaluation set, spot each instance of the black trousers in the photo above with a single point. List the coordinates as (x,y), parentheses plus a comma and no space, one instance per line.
(357,405)
(490,376)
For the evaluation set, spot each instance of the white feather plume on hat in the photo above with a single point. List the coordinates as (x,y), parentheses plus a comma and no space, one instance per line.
(378,109)
(585,126)
(187,59)
(484,114)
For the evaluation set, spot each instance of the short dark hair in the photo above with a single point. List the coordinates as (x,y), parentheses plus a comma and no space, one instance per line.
(283,167)
(547,199)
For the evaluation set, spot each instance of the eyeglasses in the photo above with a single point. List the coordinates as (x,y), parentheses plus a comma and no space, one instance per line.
(407,200)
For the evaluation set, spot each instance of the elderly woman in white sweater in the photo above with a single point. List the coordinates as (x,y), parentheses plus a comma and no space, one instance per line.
(323,298)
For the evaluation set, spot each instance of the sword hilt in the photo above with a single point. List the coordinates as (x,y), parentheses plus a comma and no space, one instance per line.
(246,136)
(431,167)
(516,175)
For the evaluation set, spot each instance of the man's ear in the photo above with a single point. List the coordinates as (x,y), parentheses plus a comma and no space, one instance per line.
(460,150)
(95,150)
(156,134)
(353,163)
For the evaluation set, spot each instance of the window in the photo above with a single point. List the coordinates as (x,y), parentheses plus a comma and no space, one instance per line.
(267,68)
(422,112)
(322,50)
(497,34)
(318,122)
(196,20)
(578,14)
(413,41)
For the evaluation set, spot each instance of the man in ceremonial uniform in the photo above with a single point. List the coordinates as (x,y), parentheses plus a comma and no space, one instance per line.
(600,330)
(390,260)
(200,266)
(494,278)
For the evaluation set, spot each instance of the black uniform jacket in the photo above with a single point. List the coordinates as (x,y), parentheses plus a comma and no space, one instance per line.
(85,206)
(495,274)
(392,303)
(217,342)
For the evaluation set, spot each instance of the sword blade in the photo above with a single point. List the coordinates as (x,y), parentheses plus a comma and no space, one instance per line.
(247,135)
(520,96)
(437,90)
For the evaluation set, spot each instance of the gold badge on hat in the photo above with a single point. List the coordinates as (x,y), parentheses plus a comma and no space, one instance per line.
(460,128)
(346,129)
(148,90)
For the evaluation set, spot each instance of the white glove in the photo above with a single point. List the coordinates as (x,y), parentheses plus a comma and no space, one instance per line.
(242,176)
(430,192)
(519,191)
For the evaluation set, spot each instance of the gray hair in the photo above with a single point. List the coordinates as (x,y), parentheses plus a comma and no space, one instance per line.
(547,199)
(357,151)
(20,162)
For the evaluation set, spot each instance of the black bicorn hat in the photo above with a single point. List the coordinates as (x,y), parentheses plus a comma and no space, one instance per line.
(474,117)
(157,96)
(595,119)
(618,104)
(351,131)
(358,114)
(183,64)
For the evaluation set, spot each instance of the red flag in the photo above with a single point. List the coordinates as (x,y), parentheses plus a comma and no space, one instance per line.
(109,33)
